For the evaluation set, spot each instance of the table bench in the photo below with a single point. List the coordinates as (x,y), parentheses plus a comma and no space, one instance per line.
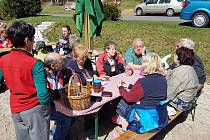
(130,135)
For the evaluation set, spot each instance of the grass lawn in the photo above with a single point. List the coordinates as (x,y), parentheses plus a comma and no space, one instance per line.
(159,37)
(129,4)
(53,9)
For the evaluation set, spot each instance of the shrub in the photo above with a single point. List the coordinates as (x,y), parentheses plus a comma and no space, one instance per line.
(21,8)
(1,9)
(111,12)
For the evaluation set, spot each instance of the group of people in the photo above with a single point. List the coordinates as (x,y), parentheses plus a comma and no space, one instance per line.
(34,84)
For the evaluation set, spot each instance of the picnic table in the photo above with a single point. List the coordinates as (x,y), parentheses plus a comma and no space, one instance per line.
(110,86)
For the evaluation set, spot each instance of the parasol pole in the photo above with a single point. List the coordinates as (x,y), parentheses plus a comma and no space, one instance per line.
(88,40)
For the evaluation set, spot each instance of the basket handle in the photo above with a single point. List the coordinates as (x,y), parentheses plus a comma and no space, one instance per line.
(70,81)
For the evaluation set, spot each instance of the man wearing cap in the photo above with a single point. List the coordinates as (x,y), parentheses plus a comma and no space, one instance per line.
(198,64)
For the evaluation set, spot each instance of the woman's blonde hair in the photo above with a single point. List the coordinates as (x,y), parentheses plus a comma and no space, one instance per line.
(80,52)
(151,64)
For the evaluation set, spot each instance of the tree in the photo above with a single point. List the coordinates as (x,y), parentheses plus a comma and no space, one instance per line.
(21,8)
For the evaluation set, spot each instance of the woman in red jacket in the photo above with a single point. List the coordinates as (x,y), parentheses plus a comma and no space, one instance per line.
(110,63)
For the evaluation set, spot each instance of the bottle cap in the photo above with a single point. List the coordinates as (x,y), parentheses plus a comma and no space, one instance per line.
(97,82)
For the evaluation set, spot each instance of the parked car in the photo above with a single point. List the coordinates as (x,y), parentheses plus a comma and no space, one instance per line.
(170,7)
(196,10)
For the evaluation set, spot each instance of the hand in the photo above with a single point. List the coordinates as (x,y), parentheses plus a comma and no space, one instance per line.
(128,70)
(104,77)
(62,41)
(123,83)
(176,61)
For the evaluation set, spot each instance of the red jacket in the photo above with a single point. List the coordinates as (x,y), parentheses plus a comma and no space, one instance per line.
(104,68)
(18,76)
(8,42)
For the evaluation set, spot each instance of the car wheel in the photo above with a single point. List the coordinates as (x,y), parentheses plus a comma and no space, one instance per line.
(170,12)
(139,12)
(200,20)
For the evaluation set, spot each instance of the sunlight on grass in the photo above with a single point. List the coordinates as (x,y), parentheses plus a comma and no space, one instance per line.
(49,9)
(129,4)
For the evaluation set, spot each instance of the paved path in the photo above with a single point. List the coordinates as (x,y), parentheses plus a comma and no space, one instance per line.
(137,18)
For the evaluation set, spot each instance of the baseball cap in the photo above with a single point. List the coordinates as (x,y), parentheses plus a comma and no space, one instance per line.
(187,43)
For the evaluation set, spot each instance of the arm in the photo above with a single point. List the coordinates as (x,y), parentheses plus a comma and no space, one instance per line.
(40,82)
(99,66)
(130,60)
(199,69)
(199,87)
(134,95)
(173,87)
(134,66)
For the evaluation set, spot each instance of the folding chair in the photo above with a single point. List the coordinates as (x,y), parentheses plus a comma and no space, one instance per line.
(194,105)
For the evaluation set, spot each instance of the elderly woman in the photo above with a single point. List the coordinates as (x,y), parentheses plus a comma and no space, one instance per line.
(183,82)
(80,64)
(110,63)
(145,99)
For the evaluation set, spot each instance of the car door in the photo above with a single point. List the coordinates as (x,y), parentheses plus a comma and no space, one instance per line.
(163,5)
(150,6)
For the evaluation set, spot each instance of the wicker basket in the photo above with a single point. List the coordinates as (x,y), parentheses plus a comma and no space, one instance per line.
(78,96)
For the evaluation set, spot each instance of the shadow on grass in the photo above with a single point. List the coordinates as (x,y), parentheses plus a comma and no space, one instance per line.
(189,24)
(160,14)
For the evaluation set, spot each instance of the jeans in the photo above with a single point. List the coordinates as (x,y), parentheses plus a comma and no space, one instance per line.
(63,124)
(185,106)
(32,124)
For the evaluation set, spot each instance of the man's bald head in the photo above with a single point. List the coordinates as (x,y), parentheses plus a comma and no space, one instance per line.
(53,58)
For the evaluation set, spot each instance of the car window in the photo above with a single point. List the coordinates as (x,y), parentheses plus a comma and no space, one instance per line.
(152,2)
(164,1)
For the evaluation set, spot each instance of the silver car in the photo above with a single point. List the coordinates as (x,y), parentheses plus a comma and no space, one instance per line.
(170,7)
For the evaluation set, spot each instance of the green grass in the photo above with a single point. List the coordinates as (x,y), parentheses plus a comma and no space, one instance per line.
(53,9)
(159,37)
(129,4)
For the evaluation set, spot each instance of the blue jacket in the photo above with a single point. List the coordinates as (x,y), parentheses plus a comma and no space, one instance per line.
(151,119)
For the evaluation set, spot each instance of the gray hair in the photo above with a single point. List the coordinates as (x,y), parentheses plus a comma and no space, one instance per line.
(187,43)
(52,58)
(137,40)
(109,43)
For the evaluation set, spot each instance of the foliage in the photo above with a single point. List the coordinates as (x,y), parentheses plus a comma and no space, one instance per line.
(21,8)
(159,37)
(1,9)
(111,11)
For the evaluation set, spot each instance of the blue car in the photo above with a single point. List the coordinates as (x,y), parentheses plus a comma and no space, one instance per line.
(196,10)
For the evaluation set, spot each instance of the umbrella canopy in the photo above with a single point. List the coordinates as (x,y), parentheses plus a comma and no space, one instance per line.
(95,10)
